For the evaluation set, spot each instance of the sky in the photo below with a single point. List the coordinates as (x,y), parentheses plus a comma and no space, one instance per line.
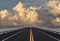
(34,14)
(6,8)
(9,4)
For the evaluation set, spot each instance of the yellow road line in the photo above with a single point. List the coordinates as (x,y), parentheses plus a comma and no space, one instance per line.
(31,35)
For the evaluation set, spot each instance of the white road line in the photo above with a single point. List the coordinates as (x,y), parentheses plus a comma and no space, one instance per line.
(49,35)
(12,35)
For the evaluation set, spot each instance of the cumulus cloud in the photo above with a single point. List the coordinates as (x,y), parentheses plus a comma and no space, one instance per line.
(23,15)
(56,21)
(4,14)
(31,15)
(26,15)
(54,7)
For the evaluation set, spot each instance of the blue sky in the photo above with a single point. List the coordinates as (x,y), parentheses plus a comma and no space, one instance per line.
(9,4)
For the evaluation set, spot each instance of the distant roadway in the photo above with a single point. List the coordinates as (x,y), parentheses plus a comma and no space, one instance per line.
(28,34)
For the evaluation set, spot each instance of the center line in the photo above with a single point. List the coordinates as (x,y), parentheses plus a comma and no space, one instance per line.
(31,35)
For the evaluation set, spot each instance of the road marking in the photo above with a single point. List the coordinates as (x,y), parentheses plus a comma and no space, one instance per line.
(49,35)
(12,35)
(31,35)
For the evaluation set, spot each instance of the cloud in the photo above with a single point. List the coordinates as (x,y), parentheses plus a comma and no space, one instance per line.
(4,14)
(54,7)
(26,15)
(32,15)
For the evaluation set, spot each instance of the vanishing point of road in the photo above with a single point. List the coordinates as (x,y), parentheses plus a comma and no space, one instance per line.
(28,34)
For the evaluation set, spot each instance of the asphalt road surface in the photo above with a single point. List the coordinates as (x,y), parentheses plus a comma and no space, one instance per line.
(28,34)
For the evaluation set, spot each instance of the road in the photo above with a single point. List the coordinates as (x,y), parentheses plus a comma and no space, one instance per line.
(29,34)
